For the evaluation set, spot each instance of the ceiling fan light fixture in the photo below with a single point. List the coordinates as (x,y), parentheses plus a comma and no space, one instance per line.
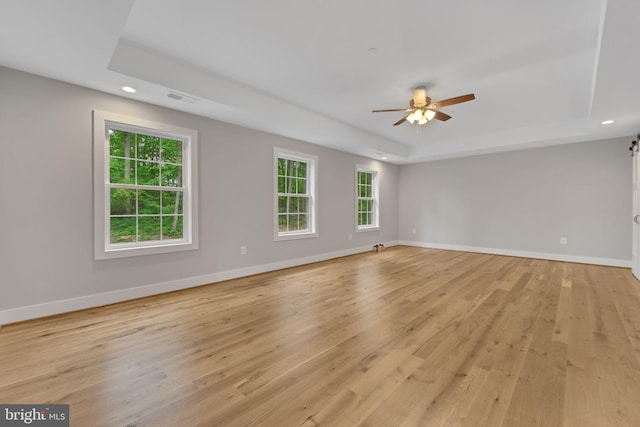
(429,114)
(417,115)
(410,118)
(423,120)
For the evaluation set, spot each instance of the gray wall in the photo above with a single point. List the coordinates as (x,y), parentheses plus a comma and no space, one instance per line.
(520,201)
(46,207)
(524,200)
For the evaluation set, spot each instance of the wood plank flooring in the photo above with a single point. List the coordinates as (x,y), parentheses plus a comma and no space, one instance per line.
(403,337)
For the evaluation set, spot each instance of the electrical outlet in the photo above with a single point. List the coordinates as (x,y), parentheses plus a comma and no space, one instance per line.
(414,231)
(243,250)
(563,240)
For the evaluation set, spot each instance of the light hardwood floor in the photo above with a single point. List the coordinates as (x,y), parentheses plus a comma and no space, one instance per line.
(404,337)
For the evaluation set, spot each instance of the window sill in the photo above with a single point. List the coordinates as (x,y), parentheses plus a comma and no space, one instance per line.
(129,251)
(371,228)
(294,236)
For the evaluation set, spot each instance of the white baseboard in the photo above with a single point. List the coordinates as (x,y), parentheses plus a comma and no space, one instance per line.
(20,314)
(612,262)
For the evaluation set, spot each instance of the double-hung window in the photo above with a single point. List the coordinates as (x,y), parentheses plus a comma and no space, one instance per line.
(367,206)
(144,187)
(295,195)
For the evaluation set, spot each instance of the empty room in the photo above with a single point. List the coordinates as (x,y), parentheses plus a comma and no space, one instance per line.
(319,213)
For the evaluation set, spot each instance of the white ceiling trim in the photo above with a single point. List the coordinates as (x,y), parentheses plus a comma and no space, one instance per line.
(248,107)
(543,72)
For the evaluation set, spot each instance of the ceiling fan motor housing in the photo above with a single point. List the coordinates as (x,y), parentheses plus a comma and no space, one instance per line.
(420,98)
(412,103)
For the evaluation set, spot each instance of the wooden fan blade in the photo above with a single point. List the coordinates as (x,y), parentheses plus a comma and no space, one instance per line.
(389,111)
(452,101)
(441,116)
(401,121)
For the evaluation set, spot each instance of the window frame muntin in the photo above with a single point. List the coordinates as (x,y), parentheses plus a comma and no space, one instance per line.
(103,248)
(375,190)
(312,191)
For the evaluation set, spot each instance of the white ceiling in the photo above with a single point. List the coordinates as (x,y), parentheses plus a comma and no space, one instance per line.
(544,72)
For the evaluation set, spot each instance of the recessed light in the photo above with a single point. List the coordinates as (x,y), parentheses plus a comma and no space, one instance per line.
(372,49)
(607,122)
(128,89)
(384,158)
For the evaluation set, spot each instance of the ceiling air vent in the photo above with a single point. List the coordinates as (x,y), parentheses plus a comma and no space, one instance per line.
(182,97)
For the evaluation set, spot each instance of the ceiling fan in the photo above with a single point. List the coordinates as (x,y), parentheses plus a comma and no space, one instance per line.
(422,110)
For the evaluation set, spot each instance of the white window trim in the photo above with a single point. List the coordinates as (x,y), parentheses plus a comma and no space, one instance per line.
(312,185)
(376,198)
(103,249)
